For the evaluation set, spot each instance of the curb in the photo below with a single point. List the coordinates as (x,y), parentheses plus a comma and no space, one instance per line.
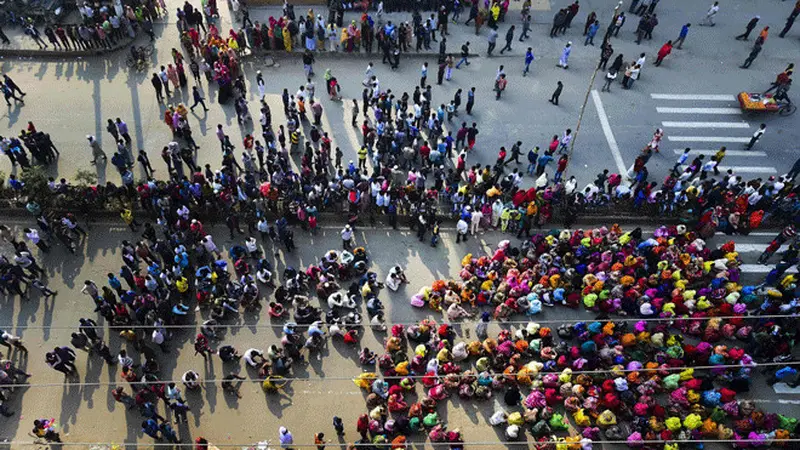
(57,54)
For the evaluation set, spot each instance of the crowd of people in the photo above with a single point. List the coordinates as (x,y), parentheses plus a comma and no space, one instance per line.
(600,374)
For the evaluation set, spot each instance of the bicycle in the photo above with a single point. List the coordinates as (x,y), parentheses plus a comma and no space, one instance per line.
(140,63)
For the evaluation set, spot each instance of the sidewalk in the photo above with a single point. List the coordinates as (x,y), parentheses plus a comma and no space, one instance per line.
(23,45)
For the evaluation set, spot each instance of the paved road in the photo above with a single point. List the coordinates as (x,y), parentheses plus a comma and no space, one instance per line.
(73,98)
(81,409)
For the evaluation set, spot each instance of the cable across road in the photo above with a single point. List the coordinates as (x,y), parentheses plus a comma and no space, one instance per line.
(408,443)
(413,377)
(464,322)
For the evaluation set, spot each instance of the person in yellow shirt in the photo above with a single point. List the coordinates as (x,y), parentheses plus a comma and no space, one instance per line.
(127,217)
(362,159)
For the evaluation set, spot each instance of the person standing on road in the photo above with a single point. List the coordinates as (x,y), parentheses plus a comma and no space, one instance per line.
(756,136)
(423,75)
(528,59)
(556,93)
(748,29)
(665,50)
(158,86)
(526,27)
(708,20)
(591,33)
(164,80)
(610,77)
(97,150)
(122,128)
(492,40)
(13,86)
(682,36)
(464,55)
(563,61)
(470,100)
(500,85)
(752,56)
(198,99)
(509,39)
(606,50)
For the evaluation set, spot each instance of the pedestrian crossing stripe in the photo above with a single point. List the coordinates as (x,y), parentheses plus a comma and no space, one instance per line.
(705,124)
(746,153)
(760,268)
(707,139)
(698,97)
(748,169)
(670,110)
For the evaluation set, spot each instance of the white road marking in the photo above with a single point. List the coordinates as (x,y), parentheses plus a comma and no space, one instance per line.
(612,143)
(748,248)
(706,124)
(758,268)
(678,151)
(748,169)
(707,139)
(665,110)
(783,388)
(709,97)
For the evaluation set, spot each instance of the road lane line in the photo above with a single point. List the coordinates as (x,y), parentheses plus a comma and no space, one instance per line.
(707,139)
(706,124)
(678,151)
(748,169)
(612,143)
(709,97)
(665,110)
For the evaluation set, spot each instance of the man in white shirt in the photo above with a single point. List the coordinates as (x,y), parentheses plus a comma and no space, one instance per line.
(34,237)
(475,222)
(347,237)
(461,228)
(709,19)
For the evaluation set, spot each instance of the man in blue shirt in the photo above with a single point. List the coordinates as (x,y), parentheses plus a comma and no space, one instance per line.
(682,36)
(528,59)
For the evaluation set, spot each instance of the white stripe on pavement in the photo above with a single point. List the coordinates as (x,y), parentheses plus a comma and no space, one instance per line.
(758,268)
(750,248)
(710,97)
(748,169)
(612,143)
(783,388)
(707,139)
(678,151)
(665,110)
(706,124)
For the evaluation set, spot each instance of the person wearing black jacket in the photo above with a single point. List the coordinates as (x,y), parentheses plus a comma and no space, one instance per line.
(509,39)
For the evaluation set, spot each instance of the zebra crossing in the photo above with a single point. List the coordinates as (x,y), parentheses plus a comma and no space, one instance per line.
(688,121)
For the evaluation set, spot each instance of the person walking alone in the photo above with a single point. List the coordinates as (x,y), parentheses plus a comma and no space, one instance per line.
(756,136)
(509,39)
(528,59)
(500,85)
(492,40)
(563,61)
(752,56)
(748,29)
(708,20)
(665,50)
(610,77)
(682,36)
(556,93)
(464,55)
